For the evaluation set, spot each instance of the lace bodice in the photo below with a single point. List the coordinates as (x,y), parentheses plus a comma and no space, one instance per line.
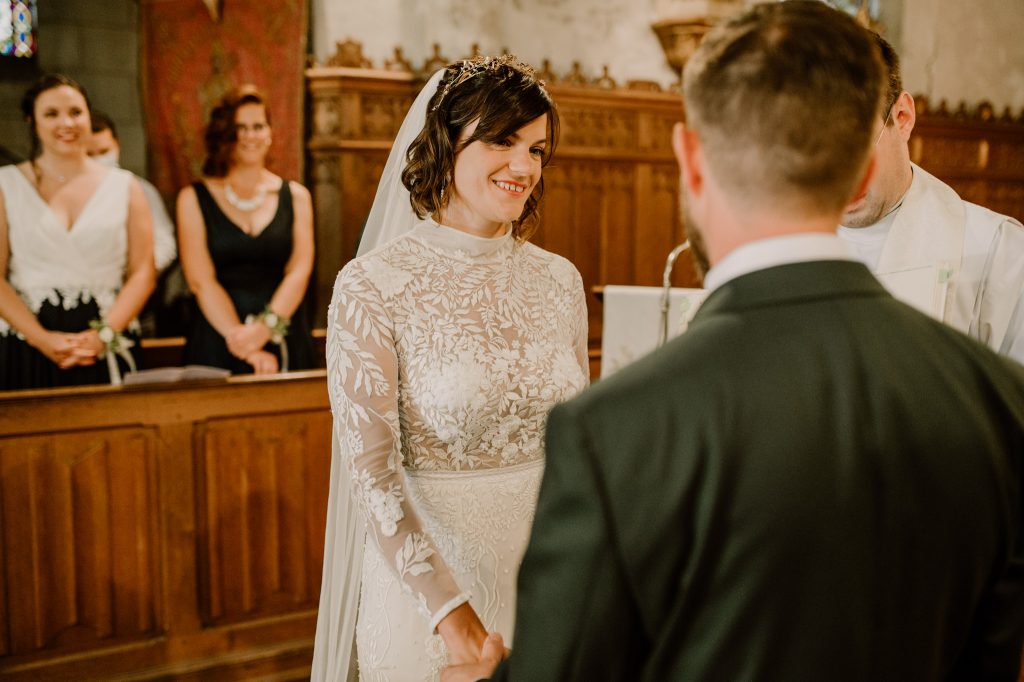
(445,352)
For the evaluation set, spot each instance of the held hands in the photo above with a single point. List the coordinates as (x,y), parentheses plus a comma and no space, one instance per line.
(490,656)
(245,339)
(463,634)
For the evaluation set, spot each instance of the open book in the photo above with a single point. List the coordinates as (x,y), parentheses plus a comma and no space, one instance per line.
(162,375)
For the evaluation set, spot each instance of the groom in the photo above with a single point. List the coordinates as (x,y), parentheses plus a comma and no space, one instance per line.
(815,482)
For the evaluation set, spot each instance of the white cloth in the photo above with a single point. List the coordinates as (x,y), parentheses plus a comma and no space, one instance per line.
(961,263)
(868,242)
(767,253)
(165,244)
(391,214)
(49,262)
(632,321)
(445,352)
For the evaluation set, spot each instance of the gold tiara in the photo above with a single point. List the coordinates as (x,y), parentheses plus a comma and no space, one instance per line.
(468,68)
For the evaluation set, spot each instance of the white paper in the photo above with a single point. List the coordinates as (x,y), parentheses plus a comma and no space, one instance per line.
(632,321)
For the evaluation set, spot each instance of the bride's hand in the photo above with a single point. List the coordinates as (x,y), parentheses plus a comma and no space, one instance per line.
(463,634)
(491,655)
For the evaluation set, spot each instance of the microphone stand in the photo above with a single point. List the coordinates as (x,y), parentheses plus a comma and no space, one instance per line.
(666,283)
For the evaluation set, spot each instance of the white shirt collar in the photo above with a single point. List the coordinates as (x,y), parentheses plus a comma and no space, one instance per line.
(767,253)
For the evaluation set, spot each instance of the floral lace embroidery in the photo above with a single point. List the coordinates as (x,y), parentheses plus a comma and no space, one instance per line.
(440,360)
(66,298)
(412,558)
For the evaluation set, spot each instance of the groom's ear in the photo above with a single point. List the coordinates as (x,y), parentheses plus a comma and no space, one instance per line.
(690,156)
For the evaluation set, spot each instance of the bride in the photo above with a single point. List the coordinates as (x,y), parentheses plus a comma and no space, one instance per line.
(449,339)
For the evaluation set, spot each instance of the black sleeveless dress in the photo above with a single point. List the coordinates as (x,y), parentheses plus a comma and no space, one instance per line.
(250,270)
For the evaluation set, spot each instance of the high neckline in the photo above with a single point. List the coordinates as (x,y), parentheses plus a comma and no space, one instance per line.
(455,242)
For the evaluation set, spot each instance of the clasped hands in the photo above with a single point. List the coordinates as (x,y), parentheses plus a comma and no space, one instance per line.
(246,342)
(67,350)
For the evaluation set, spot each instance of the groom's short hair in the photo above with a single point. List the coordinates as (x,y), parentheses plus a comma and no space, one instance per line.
(785,99)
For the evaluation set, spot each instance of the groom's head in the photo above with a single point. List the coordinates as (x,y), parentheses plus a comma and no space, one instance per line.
(782,104)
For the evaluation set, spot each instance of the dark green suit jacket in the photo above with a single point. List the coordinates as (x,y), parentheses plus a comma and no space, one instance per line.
(815,482)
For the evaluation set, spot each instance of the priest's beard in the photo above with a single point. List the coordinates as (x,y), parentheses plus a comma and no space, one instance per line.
(698,250)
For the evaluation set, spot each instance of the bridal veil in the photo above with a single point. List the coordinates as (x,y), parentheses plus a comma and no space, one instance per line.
(334,647)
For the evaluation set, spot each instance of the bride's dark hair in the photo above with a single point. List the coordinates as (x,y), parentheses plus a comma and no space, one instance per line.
(504,94)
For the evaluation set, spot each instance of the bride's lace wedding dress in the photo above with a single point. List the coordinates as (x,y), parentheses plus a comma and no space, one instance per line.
(445,353)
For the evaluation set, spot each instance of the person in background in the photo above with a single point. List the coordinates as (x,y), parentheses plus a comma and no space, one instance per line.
(105,148)
(76,251)
(963,263)
(245,238)
(816,481)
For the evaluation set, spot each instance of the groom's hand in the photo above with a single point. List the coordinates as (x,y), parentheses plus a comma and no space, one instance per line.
(490,656)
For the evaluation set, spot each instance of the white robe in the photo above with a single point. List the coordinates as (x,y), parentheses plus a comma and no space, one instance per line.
(959,262)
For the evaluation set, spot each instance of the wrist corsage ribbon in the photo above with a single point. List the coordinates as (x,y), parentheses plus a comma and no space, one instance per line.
(278,327)
(115,345)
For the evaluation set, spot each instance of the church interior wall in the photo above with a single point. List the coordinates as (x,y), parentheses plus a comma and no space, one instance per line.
(97,44)
(592,32)
(969,51)
(951,49)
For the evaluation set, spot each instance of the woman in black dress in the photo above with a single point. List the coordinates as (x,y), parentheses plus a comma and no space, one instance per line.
(246,245)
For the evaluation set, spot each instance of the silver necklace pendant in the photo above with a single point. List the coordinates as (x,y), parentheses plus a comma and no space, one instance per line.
(55,175)
(246,205)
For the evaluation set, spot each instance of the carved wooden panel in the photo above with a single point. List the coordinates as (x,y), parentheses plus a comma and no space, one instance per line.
(262,510)
(611,192)
(607,206)
(983,160)
(616,222)
(105,545)
(81,510)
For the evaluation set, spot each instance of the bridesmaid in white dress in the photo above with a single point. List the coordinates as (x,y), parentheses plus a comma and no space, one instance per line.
(76,249)
(449,340)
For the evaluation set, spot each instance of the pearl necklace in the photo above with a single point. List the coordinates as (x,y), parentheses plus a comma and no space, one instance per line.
(245,205)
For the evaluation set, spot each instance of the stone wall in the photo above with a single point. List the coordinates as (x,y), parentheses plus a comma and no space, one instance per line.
(951,49)
(593,32)
(970,51)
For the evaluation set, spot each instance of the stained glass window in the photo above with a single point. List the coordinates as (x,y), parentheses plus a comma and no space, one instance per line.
(17,28)
(854,6)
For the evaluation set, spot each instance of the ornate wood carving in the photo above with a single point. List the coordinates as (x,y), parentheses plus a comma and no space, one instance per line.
(599,198)
(611,197)
(349,53)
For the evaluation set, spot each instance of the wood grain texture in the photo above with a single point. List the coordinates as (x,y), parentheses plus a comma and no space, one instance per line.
(606,206)
(163,532)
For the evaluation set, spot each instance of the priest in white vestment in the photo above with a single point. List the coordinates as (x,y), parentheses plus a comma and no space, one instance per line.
(959,262)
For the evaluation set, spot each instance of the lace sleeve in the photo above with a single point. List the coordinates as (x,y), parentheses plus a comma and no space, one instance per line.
(362,374)
(582,326)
